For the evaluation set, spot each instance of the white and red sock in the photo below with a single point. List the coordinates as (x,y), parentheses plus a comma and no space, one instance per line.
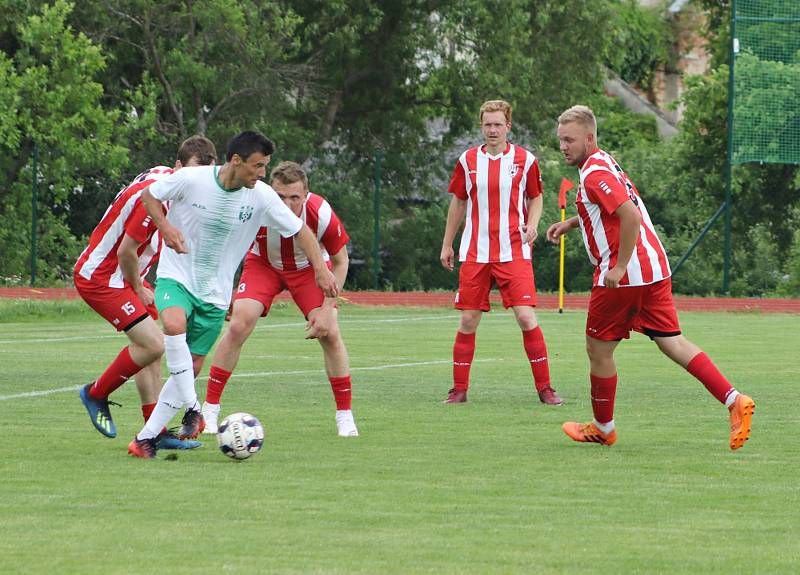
(463,352)
(703,369)
(536,350)
(604,391)
(342,392)
(217,380)
(121,369)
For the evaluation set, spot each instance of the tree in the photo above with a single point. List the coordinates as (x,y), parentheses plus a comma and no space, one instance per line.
(52,101)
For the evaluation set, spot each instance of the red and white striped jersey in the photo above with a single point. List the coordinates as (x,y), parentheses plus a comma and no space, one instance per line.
(126,215)
(496,189)
(284,254)
(603,188)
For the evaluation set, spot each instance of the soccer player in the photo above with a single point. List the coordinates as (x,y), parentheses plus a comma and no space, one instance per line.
(110,276)
(632,287)
(274,264)
(498,187)
(214,214)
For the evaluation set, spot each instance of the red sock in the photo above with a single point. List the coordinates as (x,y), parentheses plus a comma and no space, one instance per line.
(122,368)
(342,391)
(704,369)
(147,410)
(463,352)
(217,378)
(536,349)
(604,390)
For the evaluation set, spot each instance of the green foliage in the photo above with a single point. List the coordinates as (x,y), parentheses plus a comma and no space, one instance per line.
(766,110)
(641,43)
(54,102)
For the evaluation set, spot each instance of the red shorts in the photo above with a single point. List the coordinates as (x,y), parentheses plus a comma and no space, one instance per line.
(649,309)
(120,307)
(262,282)
(514,280)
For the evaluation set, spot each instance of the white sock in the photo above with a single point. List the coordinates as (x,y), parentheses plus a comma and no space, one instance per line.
(179,362)
(168,404)
(731,398)
(605,427)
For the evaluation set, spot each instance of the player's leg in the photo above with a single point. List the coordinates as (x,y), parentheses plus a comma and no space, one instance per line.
(463,354)
(472,299)
(174,304)
(536,350)
(226,355)
(518,289)
(148,383)
(337,368)
(659,320)
(124,310)
(696,362)
(609,320)
(603,377)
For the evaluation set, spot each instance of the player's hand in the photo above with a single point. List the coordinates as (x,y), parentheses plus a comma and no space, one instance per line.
(319,324)
(145,296)
(531,233)
(613,277)
(447,258)
(173,238)
(557,230)
(326,281)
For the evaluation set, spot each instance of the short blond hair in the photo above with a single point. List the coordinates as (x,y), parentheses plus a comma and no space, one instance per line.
(580,115)
(496,106)
(288,173)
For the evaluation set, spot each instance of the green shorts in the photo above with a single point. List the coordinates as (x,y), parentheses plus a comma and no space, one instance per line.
(204,321)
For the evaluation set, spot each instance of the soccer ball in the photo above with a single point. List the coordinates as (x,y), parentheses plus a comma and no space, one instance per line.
(240,435)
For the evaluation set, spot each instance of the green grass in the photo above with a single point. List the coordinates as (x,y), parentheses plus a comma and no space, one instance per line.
(491,486)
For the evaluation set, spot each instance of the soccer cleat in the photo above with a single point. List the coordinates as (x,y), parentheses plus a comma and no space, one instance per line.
(143,448)
(548,396)
(741,420)
(345,424)
(192,424)
(456,396)
(211,416)
(98,412)
(168,440)
(589,433)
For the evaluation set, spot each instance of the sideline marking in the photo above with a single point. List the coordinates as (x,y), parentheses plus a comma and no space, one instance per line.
(259,374)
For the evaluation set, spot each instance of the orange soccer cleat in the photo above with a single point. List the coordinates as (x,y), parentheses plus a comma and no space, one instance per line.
(741,420)
(588,433)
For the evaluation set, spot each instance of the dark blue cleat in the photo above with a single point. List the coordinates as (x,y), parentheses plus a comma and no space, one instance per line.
(98,412)
(168,440)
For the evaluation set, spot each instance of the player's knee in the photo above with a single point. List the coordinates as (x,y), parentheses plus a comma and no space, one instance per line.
(240,329)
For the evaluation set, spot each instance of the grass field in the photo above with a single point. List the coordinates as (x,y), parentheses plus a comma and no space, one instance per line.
(491,486)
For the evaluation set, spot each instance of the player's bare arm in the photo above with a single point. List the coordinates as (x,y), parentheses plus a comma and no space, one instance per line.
(558,229)
(321,323)
(324,277)
(128,257)
(629,221)
(455,214)
(531,229)
(171,235)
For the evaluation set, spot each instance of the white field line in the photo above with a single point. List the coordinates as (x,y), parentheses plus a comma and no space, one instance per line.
(262,325)
(74,388)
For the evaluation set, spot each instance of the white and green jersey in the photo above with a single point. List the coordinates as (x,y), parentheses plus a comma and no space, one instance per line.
(218,226)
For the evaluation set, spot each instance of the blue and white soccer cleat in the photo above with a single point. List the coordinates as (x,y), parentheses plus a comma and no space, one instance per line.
(98,412)
(168,440)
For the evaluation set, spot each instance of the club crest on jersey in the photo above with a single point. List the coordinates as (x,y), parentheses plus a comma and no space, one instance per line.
(245,213)
(513,169)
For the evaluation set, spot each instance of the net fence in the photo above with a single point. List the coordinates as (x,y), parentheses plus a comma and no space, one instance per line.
(766,95)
